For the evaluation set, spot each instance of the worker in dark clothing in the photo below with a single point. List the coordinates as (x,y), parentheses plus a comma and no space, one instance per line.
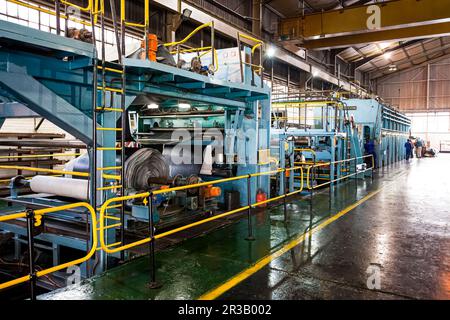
(369,146)
(408,148)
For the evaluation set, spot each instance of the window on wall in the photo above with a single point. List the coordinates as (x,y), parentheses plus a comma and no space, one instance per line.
(44,21)
(433,127)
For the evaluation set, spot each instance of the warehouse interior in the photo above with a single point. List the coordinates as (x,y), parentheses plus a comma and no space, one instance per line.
(224,149)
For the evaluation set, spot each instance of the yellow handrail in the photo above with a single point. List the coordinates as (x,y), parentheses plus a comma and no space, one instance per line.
(308,181)
(108,247)
(258,44)
(208,48)
(72,173)
(42,155)
(85,9)
(133,24)
(304,104)
(175,43)
(42,212)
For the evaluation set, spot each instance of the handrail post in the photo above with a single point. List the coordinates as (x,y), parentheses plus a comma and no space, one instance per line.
(373,167)
(311,194)
(250,236)
(213,47)
(152,284)
(330,187)
(261,61)
(32,270)
(58,17)
(285,194)
(241,67)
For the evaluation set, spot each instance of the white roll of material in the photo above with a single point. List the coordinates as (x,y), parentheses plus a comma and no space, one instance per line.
(63,187)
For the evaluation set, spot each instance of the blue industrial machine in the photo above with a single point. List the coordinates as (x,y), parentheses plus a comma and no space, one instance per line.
(308,129)
(321,127)
(381,129)
(126,112)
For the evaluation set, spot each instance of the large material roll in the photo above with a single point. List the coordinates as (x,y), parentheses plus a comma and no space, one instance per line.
(63,187)
(144,164)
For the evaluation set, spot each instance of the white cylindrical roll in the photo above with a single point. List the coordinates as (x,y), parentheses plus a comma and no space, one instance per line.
(64,187)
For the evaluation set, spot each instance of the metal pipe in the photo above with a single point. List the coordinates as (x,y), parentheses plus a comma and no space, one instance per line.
(151,229)
(58,16)
(112,4)
(32,271)
(250,236)
(240,56)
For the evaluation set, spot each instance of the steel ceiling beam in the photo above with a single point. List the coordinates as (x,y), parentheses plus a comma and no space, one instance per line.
(400,19)
(410,33)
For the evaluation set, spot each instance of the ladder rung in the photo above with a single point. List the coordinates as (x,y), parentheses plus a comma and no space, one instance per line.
(111,207)
(112,226)
(110,69)
(109,109)
(108,149)
(109,188)
(110,89)
(110,245)
(112,218)
(110,176)
(109,129)
(109,168)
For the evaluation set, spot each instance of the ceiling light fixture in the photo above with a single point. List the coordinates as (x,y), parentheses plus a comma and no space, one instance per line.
(271,51)
(184,106)
(152,106)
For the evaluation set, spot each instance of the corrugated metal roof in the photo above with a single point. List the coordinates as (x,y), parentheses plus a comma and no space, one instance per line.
(406,56)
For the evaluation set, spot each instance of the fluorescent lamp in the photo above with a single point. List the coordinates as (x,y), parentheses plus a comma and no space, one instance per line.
(152,106)
(184,106)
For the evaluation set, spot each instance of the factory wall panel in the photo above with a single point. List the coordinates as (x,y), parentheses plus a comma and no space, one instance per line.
(421,89)
(424,94)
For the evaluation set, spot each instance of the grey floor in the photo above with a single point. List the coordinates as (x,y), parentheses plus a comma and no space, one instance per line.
(401,236)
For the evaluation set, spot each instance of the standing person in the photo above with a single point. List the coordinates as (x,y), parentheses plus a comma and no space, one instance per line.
(419,146)
(408,148)
(369,146)
(411,153)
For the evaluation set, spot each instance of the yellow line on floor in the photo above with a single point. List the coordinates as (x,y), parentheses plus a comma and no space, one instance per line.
(230,283)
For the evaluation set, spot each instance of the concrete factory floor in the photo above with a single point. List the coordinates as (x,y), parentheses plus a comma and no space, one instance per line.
(398,229)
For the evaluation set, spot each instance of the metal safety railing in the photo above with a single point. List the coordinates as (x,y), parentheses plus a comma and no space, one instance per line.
(61,172)
(148,200)
(310,171)
(259,68)
(205,49)
(34,219)
(134,24)
(36,156)
(33,159)
(107,205)
(306,104)
(305,113)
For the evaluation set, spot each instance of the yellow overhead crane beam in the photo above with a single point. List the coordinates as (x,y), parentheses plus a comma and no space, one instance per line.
(383,21)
